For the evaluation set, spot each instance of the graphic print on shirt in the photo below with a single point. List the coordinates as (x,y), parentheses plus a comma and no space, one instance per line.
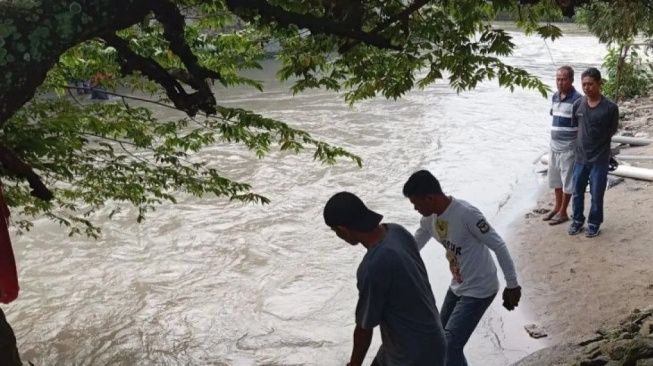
(441,229)
(483,226)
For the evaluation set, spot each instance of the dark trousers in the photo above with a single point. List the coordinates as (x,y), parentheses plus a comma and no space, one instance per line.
(460,316)
(8,351)
(596,174)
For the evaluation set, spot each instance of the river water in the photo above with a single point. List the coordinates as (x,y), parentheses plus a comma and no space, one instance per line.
(210,282)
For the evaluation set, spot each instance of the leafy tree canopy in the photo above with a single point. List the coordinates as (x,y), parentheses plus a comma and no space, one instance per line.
(618,21)
(622,25)
(65,158)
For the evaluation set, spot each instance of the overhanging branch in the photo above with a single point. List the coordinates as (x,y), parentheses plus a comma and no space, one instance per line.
(173,30)
(568,7)
(19,168)
(131,61)
(402,15)
(317,25)
(168,14)
(23,72)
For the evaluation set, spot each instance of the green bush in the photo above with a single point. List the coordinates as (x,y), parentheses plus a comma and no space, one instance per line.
(636,77)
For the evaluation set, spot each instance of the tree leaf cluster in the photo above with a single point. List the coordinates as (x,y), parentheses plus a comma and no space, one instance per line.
(95,155)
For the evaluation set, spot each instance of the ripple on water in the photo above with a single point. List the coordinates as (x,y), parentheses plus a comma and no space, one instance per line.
(212,282)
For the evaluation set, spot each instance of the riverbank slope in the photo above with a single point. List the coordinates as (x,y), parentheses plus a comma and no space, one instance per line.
(572,284)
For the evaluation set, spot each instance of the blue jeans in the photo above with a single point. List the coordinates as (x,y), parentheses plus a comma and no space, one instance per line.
(596,174)
(460,316)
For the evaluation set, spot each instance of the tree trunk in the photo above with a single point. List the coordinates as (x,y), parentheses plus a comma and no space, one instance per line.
(623,53)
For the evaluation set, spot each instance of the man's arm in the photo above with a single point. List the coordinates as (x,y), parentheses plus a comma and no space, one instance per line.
(574,109)
(373,287)
(489,237)
(614,121)
(422,235)
(362,341)
(493,241)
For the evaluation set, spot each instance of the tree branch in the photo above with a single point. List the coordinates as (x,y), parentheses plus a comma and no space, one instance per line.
(568,7)
(317,25)
(14,165)
(404,14)
(173,23)
(33,24)
(173,30)
(415,6)
(131,61)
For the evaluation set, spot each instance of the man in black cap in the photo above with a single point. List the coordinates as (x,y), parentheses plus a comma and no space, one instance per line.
(393,288)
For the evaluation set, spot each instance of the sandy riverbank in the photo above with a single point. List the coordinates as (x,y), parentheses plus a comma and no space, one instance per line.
(573,285)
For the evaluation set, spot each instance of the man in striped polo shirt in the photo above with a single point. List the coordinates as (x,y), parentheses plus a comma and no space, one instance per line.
(564,133)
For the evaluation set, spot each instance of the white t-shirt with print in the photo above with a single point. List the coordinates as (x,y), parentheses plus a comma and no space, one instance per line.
(465,234)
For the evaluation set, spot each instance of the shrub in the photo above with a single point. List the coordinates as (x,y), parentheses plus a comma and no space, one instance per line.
(628,73)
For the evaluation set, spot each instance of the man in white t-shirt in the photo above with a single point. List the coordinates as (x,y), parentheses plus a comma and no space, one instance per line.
(468,238)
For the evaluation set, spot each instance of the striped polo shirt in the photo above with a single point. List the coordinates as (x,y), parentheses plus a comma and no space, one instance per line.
(563,130)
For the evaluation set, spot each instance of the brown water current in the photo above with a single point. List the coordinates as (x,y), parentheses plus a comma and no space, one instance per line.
(211,282)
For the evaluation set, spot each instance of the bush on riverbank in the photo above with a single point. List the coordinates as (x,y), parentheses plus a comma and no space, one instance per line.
(628,73)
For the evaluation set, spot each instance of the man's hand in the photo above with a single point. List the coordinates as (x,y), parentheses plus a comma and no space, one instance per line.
(511,297)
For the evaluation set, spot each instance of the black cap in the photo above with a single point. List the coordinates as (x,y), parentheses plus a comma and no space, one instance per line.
(346,209)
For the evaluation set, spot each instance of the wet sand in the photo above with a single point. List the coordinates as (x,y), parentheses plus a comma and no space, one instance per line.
(572,285)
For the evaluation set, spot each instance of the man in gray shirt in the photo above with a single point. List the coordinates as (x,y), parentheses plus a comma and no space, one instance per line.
(598,121)
(393,288)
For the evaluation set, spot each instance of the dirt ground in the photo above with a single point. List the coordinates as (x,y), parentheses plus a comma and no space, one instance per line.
(573,284)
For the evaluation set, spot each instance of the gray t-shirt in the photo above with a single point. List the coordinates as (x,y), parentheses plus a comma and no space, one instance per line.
(596,126)
(394,292)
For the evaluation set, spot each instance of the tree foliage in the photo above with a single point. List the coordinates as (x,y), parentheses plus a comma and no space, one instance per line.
(628,74)
(618,21)
(65,158)
(622,25)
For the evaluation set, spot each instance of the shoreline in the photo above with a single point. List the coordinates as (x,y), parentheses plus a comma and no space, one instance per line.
(572,285)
